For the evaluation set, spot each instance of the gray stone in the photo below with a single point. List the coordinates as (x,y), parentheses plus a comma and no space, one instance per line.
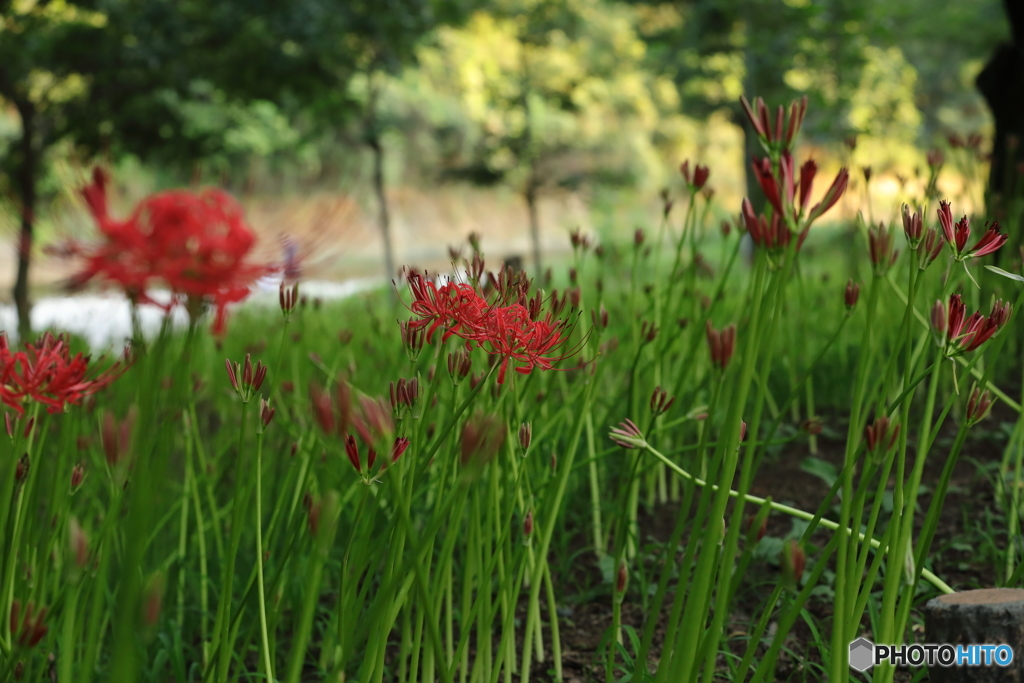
(988,616)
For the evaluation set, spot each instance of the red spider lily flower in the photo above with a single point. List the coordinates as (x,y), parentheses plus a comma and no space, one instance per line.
(913,224)
(46,372)
(628,435)
(851,294)
(721,344)
(196,244)
(880,247)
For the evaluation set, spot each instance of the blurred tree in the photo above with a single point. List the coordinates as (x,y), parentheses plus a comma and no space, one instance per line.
(546,94)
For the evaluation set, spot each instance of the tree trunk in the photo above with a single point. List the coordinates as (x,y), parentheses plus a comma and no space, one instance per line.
(383,217)
(26,176)
(1001,83)
(531,206)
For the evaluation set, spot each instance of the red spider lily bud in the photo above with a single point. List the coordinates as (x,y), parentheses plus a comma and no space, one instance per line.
(287,387)
(554,462)
(867,174)
(266,412)
(21,469)
(460,363)
(294,449)
(352,451)
(313,510)
(666,203)
(575,294)
(932,248)
(761,529)
(117,437)
(9,423)
(628,435)
(989,242)
(648,332)
(400,447)
(938,319)
(794,559)
(660,401)
(851,294)
(31,628)
(721,344)
(152,599)
(935,158)
(708,193)
(621,580)
(851,142)
(77,476)
(807,173)
(413,339)
(765,177)
(875,435)
(288,297)
(880,248)
(600,317)
(700,176)
(955,141)
(482,438)
(743,431)
(832,195)
(454,253)
(373,421)
(474,241)
(912,226)
(79,543)
(812,426)
(684,170)
(322,409)
(726,228)
(344,336)
(978,405)
(528,524)
(638,237)
(579,240)
(246,379)
(475,379)
(525,436)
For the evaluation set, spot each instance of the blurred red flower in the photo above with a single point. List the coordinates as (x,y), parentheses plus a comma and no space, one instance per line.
(195,244)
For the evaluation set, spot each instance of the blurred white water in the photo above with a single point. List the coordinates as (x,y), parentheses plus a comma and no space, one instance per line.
(104,319)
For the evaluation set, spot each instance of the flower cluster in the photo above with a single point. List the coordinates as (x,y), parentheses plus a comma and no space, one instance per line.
(515,332)
(958,334)
(47,372)
(957,235)
(195,244)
